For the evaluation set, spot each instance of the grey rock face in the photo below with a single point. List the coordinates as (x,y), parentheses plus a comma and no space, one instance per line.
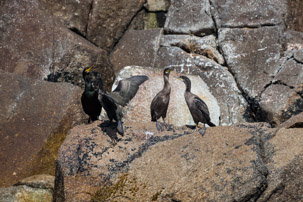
(299,55)
(283,97)
(137,47)
(35,117)
(242,13)
(35,45)
(189,17)
(109,19)
(233,107)
(253,55)
(291,73)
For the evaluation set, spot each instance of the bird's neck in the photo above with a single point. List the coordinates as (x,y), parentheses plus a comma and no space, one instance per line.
(188,87)
(166,83)
(88,86)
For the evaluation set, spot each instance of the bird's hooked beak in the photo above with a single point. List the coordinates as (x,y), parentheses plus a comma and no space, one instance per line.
(180,78)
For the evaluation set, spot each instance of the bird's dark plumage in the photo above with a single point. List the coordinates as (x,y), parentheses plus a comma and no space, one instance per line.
(159,104)
(124,92)
(89,98)
(197,107)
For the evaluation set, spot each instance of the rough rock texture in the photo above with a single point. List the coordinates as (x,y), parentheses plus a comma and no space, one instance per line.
(137,47)
(253,13)
(285,166)
(138,110)
(233,107)
(157,5)
(32,189)
(74,14)
(294,122)
(35,45)
(225,164)
(189,17)
(38,181)
(25,193)
(205,46)
(253,64)
(274,101)
(35,117)
(294,19)
(109,20)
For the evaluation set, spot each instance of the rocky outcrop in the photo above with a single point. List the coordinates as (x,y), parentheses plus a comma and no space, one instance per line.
(241,13)
(73,14)
(253,64)
(282,97)
(238,163)
(294,18)
(185,17)
(48,50)
(233,107)
(35,117)
(138,110)
(188,55)
(31,189)
(137,47)
(108,21)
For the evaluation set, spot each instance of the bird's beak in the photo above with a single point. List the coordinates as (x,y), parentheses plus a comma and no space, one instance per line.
(88,70)
(180,78)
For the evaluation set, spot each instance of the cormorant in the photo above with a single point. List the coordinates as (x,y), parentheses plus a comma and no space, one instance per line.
(159,105)
(113,101)
(89,98)
(197,107)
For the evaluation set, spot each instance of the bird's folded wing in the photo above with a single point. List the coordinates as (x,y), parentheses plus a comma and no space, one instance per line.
(201,106)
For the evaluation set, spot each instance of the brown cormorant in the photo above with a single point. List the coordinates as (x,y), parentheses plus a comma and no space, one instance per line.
(113,101)
(197,107)
(159,105)
(89,98)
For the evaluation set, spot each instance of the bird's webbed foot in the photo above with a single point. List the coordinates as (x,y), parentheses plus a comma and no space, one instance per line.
(120,127)
(201,131)
(159,126)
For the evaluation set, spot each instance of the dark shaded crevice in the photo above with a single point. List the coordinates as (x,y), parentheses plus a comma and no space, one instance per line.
(214,20)
(250,26)
(113,46)
(297,61)
(253,103)
(265,151)
(76,31)
(88,17)
(278,82)
(161,18)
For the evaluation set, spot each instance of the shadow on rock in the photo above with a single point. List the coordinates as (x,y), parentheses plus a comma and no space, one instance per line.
(110,129)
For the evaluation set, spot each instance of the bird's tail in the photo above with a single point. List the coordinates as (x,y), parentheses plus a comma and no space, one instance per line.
(211,124)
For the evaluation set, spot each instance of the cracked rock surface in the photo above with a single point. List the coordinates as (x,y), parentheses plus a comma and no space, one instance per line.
(33,123)
(231,163)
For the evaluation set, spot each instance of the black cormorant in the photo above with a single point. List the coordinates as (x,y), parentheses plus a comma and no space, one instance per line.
(89,98)
(197,107)
(159,105)
(113,101)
